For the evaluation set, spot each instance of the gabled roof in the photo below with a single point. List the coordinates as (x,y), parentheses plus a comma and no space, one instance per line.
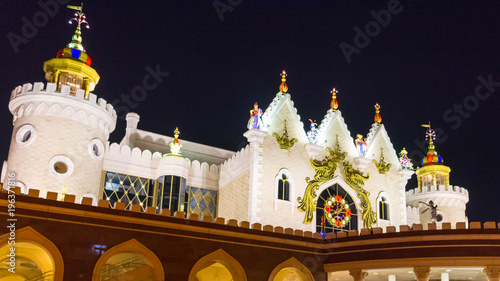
(333,125)
(281,109)
(378,138)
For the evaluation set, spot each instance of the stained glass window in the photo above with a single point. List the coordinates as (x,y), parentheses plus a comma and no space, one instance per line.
(202,201)
(335,211)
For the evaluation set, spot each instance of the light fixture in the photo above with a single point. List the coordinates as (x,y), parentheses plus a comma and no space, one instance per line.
(448,270)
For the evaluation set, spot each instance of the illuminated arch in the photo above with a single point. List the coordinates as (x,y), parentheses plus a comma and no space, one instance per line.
(133,247)
(290,268)
(32,245)
(219,257)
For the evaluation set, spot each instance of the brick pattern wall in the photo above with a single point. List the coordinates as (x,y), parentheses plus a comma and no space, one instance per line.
(233,199)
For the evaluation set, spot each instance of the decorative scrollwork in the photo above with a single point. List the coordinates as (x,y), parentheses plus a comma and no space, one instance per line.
(284,141)
(325,171)
(382,167)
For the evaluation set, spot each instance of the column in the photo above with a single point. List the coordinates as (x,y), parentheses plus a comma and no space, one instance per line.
(391,278)
(445,276)
(493,273)
(422,273)
(256,138)
(358,274)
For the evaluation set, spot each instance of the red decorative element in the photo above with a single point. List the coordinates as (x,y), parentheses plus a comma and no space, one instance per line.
(283,86)
(89,61)
(338,223)
(348,212)
(429,158)
(60,53)
(327,209)
(338,198)
(334,104)
(377,118)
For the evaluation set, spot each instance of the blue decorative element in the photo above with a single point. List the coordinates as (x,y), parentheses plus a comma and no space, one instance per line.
(192,203)
(440,160)
(213,193)
(75,53)
(202,205)
(203,191)
(211,207)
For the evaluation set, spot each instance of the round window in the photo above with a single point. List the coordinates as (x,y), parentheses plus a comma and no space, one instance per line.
(96,149)
(25,135)
(61,166)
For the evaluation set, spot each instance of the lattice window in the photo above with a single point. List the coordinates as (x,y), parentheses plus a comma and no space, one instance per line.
(202,201)
(335,211)
(129,190)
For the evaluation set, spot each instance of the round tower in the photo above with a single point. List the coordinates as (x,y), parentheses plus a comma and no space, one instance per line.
(437,200)
(61,129)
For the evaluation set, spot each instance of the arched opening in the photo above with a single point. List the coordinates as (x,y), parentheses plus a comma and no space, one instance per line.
(218,264)
(336,210)
(291,270)
(128,261)
(34,258)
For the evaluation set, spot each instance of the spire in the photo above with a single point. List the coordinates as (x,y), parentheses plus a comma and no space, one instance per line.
(79,18)
(378,118)
(334,104)
(432,155)
(283,86)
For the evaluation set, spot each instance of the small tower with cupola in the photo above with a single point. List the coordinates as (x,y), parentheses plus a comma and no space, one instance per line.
(436,200)
(61,128)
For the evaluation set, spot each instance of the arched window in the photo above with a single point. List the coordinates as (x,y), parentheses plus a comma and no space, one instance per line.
(383,206)
(335,211)
(284,188)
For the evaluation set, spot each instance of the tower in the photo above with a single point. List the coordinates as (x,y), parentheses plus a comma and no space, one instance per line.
(434,189)
(60,129)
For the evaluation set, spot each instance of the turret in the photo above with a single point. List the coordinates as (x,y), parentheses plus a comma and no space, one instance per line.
(61,129)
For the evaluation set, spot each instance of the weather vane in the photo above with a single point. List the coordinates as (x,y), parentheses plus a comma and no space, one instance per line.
(79,19)
(430,133)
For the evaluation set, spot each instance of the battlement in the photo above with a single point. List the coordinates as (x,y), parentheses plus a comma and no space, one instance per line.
(235,166)
(376,232)
(450,189)
(38,88)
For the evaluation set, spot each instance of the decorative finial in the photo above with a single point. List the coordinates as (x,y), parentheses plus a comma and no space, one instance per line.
(283,86)
(334,104)
(378,118)
(430,135)
(404,161)
(432,156)
(79,18)
(175,146)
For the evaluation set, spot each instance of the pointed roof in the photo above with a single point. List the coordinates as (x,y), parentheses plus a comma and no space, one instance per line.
(378,138)
(333,125)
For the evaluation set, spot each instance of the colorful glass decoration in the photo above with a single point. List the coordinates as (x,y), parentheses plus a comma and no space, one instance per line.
(360,144)
(175,146)
(255,121)
(432,157)
(334,104)
(63,195)
(337,211)
(377,118)
(404,160)
(283,86)
(312,134)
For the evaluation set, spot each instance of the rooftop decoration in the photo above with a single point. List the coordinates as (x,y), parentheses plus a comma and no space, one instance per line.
(378,118)
(325,171)
(63,195)
(312,134)
(432,156)
(382,167)
(175,146)
(283,86)
(404,161)
(255,121)
(79,18)
(360,144)
(334,104)
(284,141)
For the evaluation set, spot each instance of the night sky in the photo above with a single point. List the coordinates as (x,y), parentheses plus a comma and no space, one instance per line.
(423,64)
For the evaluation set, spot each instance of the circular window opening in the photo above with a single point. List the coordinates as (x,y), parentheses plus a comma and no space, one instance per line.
(439,218)
(96,149)
(25,135)
(61,167)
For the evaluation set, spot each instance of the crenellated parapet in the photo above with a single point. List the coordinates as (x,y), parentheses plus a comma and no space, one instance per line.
(441,195)
(235,166)
(40,100)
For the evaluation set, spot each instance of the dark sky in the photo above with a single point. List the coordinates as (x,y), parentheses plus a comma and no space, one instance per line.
(423,65)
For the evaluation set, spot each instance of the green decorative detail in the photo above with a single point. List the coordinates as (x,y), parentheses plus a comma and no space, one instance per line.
(382,167)
(356,181)
(284,141)
(325,171)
